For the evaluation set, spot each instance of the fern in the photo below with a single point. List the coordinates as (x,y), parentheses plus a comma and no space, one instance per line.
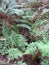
(21,63)
(4,47)
(45,62)
(31,49)
(18,40)
(13,54)
(15,45)
(5,31)
(38,46)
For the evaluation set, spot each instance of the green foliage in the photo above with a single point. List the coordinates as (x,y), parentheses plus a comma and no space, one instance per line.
(4,47)
(31,49)
(14,53)
(21,63)
(45,62)
(15,45)
(18,40)
(5,31)
(12,7)
(38,46)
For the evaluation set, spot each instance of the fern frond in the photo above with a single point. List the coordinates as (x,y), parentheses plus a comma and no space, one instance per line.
(18,40)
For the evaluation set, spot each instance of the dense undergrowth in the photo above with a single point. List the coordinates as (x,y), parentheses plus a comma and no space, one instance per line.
(25,33)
